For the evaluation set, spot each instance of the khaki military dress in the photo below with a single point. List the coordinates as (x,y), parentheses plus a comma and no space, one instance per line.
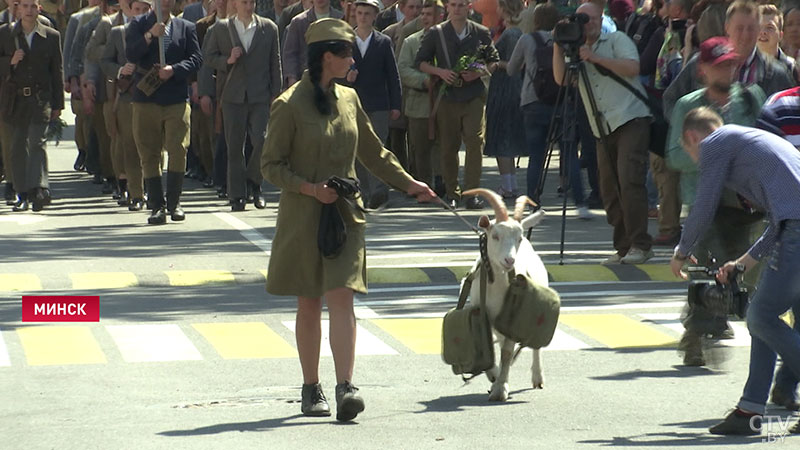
(305,146)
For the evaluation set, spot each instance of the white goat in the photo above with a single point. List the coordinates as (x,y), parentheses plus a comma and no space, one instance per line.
(507,248)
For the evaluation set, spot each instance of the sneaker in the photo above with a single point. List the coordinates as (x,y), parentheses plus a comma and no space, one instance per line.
(507,194)
(637,256)
(785,399)
(348,402)
(616,258)
(314,402)
(584,213)
(738,423)
(667,240)
(727,333)
(795,428)
(475,203)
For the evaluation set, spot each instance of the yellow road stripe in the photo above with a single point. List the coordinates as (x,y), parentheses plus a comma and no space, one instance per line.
(264,273)
(51,345)
(658,272)
(245,340)
(617,330)
(397,275)
(198,277)
(422,336)
(103,280)
(460,272)
(19,282)
(581,272)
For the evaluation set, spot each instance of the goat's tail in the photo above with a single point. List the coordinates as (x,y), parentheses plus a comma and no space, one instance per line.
(500,212)
(519,206)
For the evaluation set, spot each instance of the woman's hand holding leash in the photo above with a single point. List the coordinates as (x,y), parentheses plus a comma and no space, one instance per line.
(421,191)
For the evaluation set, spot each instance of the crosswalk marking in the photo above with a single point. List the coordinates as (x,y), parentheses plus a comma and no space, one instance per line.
(617,330)
(150,343)
(57,345)
(741,336)
(198,277)
(422,336)
(563,341)
(366,342)
(4,359)
(245,340)
(19,282)
(382,275)
(103,280)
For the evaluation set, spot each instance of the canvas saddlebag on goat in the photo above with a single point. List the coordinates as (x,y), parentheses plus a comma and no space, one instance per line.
(467,343)
(529,315)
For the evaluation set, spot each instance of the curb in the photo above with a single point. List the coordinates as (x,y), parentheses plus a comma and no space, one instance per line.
(586,273)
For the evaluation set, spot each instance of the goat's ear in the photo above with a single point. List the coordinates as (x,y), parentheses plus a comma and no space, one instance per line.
(483,222)
(533,219)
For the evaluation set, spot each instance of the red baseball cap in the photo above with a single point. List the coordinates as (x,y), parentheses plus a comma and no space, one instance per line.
(716,50)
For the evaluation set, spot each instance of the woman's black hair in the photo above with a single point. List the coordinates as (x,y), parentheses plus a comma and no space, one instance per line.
(315,52)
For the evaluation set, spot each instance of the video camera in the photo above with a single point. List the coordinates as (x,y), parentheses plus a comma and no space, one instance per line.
(711,302)
(569,34)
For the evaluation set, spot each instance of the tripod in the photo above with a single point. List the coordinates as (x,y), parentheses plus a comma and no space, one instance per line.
(566,112)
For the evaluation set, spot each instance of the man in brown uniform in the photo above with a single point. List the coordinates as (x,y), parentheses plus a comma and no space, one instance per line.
(30,53)
(119,71)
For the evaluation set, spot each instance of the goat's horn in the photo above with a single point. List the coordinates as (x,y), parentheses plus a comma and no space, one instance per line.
(519,206)
(500,212)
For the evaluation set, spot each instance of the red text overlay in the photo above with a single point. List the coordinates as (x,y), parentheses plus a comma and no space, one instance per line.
(51,308)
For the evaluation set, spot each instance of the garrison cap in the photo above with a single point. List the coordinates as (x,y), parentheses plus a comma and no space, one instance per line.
(373,3)
(330,30)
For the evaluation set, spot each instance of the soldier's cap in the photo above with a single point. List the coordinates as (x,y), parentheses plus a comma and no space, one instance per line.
(716,50)
(112,2)
(330,30)
(373,3)
(149,2)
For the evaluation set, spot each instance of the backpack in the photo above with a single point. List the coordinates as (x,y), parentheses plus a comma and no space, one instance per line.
(544,83)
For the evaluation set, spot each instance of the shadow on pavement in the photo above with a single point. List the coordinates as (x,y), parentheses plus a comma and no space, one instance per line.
(460,402)
(259,425)
(674,439)
(676,372)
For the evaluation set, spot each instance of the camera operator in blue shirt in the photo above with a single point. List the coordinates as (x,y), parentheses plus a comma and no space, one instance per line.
(765,171)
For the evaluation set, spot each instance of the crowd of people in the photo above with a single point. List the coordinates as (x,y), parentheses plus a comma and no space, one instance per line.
(199,82)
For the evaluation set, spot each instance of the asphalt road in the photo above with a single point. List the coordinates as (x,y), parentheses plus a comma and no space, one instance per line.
(191,352)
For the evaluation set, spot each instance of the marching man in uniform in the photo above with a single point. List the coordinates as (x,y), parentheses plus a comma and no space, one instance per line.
(30,54)
(160,101)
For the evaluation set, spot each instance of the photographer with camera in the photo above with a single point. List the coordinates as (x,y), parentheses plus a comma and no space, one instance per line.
(765,171)
(625,121)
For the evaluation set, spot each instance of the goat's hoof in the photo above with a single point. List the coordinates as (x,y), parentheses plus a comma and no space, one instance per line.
(537,382)
(493,373)
(499,392)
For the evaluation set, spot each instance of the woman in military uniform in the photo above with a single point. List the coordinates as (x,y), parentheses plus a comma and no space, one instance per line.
(317,128)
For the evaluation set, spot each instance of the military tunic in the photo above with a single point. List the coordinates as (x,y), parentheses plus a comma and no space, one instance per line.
(305,146)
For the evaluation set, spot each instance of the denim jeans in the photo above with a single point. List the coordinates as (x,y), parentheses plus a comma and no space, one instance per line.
(778,291)
(537,116)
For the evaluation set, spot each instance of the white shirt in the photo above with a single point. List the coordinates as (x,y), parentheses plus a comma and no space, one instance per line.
(463,34)
(245,34)
(363,45)
(29,38)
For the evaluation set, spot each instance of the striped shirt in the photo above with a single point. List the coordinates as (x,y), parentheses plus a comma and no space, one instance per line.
(781,115)
(760,166)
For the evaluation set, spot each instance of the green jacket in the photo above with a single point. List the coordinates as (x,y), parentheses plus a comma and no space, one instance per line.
(743,109)
(417,103)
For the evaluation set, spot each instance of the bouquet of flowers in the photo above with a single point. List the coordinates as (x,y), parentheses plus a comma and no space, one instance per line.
(471,63)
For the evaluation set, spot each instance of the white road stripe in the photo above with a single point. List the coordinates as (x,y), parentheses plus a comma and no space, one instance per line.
(247,231)
(4,359)
(147,343)
(366,342)
(362,311)
(673,322)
